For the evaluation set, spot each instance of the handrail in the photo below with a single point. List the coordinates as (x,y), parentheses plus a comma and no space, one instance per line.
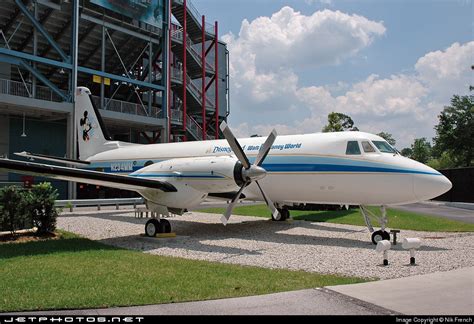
(176,115)
(193,127)
(198,92)
(196,129)
(196,54)
(20,89)
(177,34)
(99,202)
(177,75)
(126,107)
(197,16)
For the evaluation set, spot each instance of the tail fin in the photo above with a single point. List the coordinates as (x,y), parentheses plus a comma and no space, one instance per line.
(91,133)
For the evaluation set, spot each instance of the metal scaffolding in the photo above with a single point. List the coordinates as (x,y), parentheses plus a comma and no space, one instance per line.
(152,83)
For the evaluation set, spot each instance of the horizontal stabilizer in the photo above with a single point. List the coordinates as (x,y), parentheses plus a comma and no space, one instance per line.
(85,176)
(56,159)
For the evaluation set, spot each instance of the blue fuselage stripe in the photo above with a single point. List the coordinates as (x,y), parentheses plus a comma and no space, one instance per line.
(161,175)
(273,164)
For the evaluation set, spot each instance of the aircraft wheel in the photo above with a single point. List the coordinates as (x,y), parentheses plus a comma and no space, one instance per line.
(284,215)
(152,227)
(165,226)
(378,236)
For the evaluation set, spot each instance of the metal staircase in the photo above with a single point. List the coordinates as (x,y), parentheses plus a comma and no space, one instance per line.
(193,57)
(193,20)
(192,36)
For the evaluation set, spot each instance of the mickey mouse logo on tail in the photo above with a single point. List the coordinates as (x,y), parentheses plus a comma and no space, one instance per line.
(86,126)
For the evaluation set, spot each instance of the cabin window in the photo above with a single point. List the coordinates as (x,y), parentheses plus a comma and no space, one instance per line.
(353,148)
(384,147)
(367,147)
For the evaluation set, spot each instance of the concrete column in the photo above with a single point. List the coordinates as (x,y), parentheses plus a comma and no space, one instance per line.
(102,68)
(35,49)
(4,142)
(72,134)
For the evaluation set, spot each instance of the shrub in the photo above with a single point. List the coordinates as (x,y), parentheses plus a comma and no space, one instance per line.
(41,207)
(13,209)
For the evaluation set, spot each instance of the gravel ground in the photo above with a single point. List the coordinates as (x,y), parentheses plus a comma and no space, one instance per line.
(296,245)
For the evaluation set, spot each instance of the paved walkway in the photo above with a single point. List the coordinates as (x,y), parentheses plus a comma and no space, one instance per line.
(301,302)
(458,214)
(440,293)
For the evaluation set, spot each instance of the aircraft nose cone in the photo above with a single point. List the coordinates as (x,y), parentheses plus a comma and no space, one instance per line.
(430,186)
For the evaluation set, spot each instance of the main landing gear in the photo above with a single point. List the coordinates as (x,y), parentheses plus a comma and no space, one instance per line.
(381,234)
(284,215)
(157,226)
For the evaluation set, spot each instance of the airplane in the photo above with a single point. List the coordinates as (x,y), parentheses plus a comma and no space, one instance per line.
(343,168)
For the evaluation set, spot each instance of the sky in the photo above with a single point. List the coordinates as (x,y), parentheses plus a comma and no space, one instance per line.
(392,65)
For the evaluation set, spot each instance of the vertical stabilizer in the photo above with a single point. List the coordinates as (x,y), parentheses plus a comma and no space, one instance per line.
(91,133)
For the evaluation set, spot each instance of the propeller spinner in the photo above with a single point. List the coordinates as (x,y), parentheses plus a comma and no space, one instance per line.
(250,172)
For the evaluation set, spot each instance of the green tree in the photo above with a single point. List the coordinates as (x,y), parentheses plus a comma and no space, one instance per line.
(12,209)
(421,150)
(388,137)
(445,161)
(455,131)
(407,152)
(41,202)
(338,122)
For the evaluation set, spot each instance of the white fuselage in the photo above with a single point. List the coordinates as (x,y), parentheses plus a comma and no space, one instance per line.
(312,168)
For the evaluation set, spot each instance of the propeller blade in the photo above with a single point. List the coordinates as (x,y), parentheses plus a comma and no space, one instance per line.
(228,212)
(234,145)
(269,202)
(262,154)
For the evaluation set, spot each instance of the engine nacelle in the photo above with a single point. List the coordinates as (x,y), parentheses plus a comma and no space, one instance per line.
(194,178)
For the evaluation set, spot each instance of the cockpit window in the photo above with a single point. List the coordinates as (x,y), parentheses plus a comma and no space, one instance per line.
(367,147)
(352,148)
(384,147)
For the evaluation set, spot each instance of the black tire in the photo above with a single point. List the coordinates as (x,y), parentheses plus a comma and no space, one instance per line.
(284,215)
(152,227)
(379,236)
(165,226)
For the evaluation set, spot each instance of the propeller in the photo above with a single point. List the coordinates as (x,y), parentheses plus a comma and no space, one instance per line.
(250,172)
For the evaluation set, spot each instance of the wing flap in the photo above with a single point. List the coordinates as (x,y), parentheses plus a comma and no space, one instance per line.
(85,176)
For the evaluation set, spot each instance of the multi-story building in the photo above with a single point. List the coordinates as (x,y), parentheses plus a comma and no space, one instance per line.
(156,70)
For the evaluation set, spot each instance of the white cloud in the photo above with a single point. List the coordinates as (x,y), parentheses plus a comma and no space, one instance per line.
(289,39)
(449,71)
(269,50)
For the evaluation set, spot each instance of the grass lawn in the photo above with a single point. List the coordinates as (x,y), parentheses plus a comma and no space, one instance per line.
(74,272)
(396,218)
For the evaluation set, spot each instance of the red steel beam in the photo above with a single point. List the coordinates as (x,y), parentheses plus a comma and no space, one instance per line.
(169,72)
(216,78)
(185,81)
(203,63)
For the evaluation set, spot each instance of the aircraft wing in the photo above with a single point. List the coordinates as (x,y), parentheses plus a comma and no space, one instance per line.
(84,176)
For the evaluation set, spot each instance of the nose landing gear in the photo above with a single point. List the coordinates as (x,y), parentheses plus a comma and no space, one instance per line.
(381,234)
(378,236)
(284,215)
